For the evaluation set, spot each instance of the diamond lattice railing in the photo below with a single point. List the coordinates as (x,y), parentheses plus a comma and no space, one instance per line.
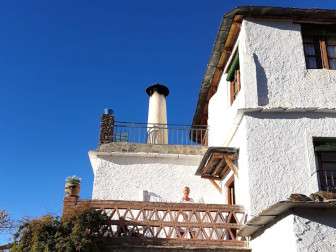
(172,223)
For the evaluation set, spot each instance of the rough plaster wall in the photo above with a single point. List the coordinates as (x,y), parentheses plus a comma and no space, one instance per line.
(315,230)
(281,155)
(239,141)
(307,230)
(222,118)
(278,158)
(278,238)
(221,114)
(218,114)
(272,56)
(280,151)
(226,129)
(121,176)
(223,131)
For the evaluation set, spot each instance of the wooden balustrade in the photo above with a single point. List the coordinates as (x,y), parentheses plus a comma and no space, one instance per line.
(135,222)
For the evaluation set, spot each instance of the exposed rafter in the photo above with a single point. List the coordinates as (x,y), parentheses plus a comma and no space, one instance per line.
(217,163)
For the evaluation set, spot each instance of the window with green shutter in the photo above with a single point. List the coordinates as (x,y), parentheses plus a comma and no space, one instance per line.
(233,76)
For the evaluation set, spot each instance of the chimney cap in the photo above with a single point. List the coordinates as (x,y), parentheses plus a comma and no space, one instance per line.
(108,111)
(161,89)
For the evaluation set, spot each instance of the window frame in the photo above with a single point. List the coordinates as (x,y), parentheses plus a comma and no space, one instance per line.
(319,35)
(230,189)
(233,76)
(235,86)
(323,147)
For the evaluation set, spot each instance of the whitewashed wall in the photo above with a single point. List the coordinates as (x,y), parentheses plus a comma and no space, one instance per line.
(273,75)
(315,230)
(272,56)
(227,128)
(281,159)
(223,117)
(276,154)
(281,156)
(124,176)
(279,152)
(278,238)
(308,230)
(242,188)
(219,115)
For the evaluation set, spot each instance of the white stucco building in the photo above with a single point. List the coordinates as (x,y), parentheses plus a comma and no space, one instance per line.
(268,100)
(140,164)
(269,91)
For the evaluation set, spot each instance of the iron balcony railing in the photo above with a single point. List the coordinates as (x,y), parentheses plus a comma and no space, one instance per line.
(158,133)
(327,179)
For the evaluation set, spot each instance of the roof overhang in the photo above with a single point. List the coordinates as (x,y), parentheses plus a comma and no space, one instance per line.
(276,212)
(227,35)
(217,163)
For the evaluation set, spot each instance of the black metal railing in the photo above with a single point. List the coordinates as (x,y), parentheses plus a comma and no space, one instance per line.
(327,179)
(158,133)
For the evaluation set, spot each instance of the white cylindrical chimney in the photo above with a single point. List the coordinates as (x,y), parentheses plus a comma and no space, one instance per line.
(157,114)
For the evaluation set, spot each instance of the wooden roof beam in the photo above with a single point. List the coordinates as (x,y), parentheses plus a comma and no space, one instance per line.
(221,165)
(225,171)
(216,185)
(208,166)
(225,55)
(232,166)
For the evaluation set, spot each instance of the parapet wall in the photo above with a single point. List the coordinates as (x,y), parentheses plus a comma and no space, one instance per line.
(150,172)
(153,148)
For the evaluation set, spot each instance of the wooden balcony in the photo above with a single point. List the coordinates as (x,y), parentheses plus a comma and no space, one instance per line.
(168,224)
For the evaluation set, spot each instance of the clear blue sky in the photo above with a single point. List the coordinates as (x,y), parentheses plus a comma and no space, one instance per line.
(63,62)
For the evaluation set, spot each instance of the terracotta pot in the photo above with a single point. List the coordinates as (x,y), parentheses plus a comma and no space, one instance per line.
(72,190)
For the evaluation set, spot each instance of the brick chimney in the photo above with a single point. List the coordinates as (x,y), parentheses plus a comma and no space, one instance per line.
(106,127)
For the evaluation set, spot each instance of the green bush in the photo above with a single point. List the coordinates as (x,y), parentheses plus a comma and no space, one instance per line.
(73,180)
(83,231)
(37,234)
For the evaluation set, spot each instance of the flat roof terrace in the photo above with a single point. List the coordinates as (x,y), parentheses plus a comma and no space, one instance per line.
(152,148)
(151,133)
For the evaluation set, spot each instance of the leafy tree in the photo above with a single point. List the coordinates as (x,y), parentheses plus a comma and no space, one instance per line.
(5,221)
(37,234)
(84,230)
